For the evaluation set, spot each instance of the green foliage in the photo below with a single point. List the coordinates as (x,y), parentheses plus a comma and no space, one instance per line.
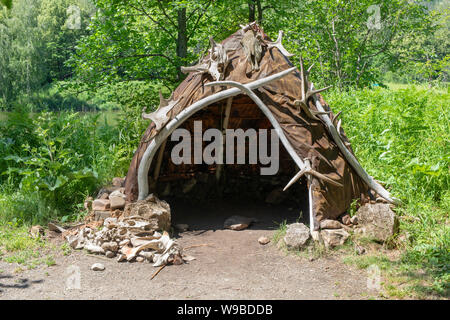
(55,162)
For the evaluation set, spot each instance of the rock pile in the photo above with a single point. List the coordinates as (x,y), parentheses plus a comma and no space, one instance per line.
(373,220)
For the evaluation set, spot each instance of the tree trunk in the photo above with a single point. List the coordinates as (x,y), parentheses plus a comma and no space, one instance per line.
(251,11)
(182,39)
(260,11)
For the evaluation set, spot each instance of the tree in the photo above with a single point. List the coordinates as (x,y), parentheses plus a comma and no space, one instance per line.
(351,39)
(139,40)
(35,42)
(6,3)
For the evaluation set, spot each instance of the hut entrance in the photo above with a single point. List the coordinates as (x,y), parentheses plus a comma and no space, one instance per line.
(204,195)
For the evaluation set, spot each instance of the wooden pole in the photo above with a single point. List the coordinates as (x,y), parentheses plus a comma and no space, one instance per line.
(224,128)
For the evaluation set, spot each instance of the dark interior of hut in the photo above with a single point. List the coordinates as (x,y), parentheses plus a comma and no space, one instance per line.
(203,198)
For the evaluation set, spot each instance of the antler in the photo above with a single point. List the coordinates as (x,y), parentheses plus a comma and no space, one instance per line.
(308,93)
(279,45)
(200,67)
(159,117)
(247,27)
(308,170)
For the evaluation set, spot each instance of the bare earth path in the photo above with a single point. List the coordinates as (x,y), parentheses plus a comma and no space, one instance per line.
(232,266)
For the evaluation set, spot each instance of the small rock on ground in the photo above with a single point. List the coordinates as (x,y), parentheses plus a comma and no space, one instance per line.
(237,223)
(263,240)
(334,237)
(97,267)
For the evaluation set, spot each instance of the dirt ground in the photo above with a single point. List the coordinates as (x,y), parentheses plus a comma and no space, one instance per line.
(228,265)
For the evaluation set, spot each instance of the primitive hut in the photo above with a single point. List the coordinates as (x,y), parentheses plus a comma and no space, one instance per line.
(247,81)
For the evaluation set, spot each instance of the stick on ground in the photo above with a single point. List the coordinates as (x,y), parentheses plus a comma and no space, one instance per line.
(157,271)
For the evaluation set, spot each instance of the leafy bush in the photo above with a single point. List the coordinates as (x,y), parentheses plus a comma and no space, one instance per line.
(55,162)
(402,138)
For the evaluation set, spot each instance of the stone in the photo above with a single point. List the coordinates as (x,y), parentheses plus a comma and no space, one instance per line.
(118,193)
(36,231)
(88,203)
(147,255)
(334,237)
(110,254)
(354,220)
(103,196)
(346,219)
(110,246)
(330,224)
(97,267)
(101,215)
(182,227)
(94,248)
(101,205)
(276,196)
(315,235)
(263,240)
(118,182)
(377,221)
(152,209)
(117,202)
(140,259)
(237,223)
(297,236)
(121,258)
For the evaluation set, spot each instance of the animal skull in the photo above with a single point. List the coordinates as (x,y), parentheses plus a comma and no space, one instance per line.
(216,64)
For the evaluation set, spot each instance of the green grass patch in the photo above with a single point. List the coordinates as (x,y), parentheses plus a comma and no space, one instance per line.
(402,138)
(17,246)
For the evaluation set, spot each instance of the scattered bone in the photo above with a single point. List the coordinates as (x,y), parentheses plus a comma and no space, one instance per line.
(189,258)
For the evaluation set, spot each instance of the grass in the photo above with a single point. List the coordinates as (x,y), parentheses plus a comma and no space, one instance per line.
(17,246)
(401,136)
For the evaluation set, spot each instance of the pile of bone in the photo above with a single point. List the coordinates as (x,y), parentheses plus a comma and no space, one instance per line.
(128,240)
(133,236)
